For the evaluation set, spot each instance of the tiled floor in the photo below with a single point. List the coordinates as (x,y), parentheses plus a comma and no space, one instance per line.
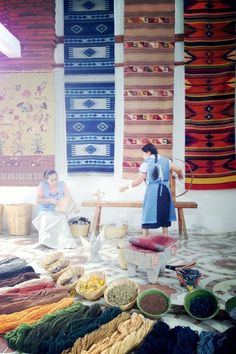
(215,256)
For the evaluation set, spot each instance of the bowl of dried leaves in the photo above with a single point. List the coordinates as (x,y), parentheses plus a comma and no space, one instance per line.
(122,293)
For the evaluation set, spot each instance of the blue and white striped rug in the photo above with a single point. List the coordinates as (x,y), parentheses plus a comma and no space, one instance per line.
(90,94)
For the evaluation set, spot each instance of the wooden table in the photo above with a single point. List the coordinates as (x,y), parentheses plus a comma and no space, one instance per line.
(99,204)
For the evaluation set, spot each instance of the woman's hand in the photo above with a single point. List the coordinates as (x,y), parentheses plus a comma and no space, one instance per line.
(123,188)
(53,201)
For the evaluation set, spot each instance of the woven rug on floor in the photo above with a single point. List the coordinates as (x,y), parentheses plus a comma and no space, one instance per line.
(149,73)
(90,126)
(210,93)
(27,122)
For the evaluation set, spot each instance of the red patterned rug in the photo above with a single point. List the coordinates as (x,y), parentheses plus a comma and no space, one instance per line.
(149,72)
(210,93)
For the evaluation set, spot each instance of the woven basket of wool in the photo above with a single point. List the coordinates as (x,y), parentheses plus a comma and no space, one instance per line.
(57,268)
(69,278)
(48,260)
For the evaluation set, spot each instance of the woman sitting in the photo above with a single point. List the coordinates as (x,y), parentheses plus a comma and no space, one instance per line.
(52,224)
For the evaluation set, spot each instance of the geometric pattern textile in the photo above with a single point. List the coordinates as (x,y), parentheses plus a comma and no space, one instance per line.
(26,127)
(88,37)
(90,126)
(148,79)
(209,28)
(89,85)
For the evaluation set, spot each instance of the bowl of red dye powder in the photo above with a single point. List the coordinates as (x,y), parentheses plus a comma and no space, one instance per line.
(201,304)
(153,303)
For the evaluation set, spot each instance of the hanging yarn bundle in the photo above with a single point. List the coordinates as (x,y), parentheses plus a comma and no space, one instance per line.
(30,315)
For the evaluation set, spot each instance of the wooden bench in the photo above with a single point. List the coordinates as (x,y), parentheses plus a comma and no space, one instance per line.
(99,204)
(179,205)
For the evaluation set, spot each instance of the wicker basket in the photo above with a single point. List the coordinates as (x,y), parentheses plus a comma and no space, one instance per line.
(95,294)
(120,282)
(19,217)
(79,229)
(112,231)
(1,216)
(50,259)
(57,268)
(69,278)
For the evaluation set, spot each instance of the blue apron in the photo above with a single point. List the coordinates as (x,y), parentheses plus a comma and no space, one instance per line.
(151,198)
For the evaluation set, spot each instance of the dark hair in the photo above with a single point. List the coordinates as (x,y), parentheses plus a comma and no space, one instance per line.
(153,150)
(49,173)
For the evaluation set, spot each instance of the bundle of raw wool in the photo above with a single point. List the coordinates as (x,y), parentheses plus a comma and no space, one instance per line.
(90,339)
(10,303)
(20,339)
(30,315)
(117,336)
(12,272)
(24,274)
(56,334)
(11,264)
(30,288)
(38,280)
(130,341)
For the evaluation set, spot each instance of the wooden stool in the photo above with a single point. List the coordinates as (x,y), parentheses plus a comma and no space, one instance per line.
(151,261)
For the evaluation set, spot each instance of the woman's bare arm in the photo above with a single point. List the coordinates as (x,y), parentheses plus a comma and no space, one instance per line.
(176,169)
(135,182)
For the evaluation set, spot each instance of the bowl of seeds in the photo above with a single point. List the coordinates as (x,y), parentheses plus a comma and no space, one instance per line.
(153,303)
(122,293)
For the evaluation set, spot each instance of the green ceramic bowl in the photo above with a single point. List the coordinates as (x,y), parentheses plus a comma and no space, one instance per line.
(154,310)
(197,295)
(230,307)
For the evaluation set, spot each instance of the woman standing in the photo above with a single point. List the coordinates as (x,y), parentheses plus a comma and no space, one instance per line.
(52,225)
(158,206)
